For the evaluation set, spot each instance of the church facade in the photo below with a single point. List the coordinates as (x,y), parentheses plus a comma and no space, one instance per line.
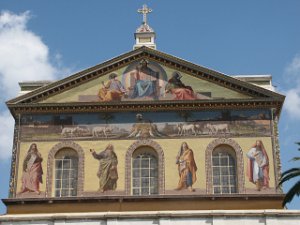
(146,131)
(147,124)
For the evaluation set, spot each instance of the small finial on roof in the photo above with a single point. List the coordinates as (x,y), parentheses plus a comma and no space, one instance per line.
(145,10)
(144,35)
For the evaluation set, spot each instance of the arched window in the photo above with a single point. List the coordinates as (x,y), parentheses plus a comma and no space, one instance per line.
(144,171)
(224,173)
(66,173)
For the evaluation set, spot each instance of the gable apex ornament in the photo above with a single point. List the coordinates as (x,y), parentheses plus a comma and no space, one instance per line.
(144,35)
(145,10)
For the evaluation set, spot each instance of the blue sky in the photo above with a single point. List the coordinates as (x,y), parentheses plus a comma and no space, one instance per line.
(51,40)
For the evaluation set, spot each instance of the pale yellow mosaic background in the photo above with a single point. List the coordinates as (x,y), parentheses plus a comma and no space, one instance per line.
(170,148)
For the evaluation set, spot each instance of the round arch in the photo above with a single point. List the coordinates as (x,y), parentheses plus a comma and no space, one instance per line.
(161,163)
(239,163)
(51,156)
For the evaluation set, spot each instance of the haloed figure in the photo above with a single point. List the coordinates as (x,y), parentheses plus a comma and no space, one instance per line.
(32,171)
(179,89)
(113,90)
(107,172)
(186,167)
(258,166)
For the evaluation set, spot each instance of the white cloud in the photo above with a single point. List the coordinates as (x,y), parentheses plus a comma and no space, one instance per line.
(294,67)
(292,101)
(23,57)
(6,136)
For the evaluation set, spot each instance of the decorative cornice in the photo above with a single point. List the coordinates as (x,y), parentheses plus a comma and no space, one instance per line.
(276,151)
(202,214)
(80,77)
(14,162)
(150,54)
(209,75)
(144,203)
(80,107)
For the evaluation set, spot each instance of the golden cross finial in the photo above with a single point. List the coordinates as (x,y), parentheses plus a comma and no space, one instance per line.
(145,10)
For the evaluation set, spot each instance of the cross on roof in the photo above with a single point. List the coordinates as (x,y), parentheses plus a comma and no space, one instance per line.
(145,10)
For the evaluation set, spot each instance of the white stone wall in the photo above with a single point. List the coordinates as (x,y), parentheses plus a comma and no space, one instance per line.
(214,217)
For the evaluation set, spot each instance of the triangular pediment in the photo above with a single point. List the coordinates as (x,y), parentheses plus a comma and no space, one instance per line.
(144,75)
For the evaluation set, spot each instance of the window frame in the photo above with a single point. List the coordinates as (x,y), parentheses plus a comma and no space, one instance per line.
(50,180)
(144,173)
(232,144)
(128,164)
(226,168)
(69,174)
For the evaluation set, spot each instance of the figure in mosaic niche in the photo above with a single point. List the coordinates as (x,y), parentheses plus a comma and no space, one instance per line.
(107,172)
(258,166)
(179,89)
(113,90)
(186,167)
(144,128)
(145,82)
(32,171)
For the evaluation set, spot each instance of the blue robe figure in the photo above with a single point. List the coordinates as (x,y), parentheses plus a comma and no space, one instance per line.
(145,87)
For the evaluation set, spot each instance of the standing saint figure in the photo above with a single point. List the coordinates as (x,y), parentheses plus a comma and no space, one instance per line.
(32,171)
(107,172)
(113,90)
(258,166)
(186,167)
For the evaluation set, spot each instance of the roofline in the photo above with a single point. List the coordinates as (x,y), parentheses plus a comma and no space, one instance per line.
(151,54)
(252,75)
(79,74)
